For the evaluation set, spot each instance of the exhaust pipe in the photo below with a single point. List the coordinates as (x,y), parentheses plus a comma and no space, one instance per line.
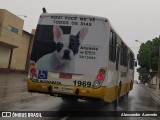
(77,91)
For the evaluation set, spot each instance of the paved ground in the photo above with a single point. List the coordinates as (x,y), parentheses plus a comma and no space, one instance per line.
(13,89)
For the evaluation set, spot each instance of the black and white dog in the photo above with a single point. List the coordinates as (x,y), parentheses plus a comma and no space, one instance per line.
(67,46)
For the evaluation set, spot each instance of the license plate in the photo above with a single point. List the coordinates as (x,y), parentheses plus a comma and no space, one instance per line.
(65,75)
(62,89)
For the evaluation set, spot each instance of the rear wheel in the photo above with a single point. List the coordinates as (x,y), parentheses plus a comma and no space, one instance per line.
(131,85)
(127,94)
(118,96)
(127,90)
(115,104)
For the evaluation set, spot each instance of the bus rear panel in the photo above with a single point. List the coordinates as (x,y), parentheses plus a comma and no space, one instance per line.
(70,56)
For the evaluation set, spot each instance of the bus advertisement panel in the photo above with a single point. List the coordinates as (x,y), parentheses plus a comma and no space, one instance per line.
(70,44)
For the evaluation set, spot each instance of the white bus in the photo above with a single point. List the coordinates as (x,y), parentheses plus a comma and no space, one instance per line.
(79,57)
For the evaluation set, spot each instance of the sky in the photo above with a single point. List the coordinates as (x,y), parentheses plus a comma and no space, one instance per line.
(132,19)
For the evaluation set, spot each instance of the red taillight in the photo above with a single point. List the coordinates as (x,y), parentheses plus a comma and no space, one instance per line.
(101,71)
(99,77)
(32,65)
(33,71)
(101,74)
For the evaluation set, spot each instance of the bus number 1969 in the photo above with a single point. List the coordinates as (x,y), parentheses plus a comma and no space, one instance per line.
(82,83)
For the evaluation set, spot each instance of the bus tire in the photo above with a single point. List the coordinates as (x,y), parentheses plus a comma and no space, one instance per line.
(115,103)
(131,85)
(127,94)
(118,96)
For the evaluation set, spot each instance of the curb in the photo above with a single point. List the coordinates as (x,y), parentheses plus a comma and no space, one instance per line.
(156,95)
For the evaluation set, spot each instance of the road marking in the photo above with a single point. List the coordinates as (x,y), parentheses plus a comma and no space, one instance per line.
(65,118)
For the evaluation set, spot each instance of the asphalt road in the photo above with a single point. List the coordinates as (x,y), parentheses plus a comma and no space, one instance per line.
(14,97)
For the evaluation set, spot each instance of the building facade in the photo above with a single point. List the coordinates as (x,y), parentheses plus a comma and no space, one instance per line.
(14,42)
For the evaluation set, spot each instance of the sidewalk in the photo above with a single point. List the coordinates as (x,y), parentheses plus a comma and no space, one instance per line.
(152,90)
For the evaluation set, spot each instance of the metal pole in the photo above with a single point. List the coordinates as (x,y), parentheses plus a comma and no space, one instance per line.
(150,65)
(158,73)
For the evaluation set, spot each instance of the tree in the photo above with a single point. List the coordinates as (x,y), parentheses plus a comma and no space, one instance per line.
(143,74)
(143,55)
(148,57)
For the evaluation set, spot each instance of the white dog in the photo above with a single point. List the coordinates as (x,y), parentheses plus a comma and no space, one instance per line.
(67,46)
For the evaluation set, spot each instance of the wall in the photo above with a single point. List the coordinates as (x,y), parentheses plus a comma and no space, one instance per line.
(19,57)
(9,20)
(11,40)
(4,56)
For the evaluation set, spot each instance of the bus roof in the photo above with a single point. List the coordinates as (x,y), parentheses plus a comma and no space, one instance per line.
(76,15)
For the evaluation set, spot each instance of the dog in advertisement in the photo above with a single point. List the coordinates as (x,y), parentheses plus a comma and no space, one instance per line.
(67,47)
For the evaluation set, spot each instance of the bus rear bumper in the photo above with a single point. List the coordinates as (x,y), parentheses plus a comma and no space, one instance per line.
(65,90)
